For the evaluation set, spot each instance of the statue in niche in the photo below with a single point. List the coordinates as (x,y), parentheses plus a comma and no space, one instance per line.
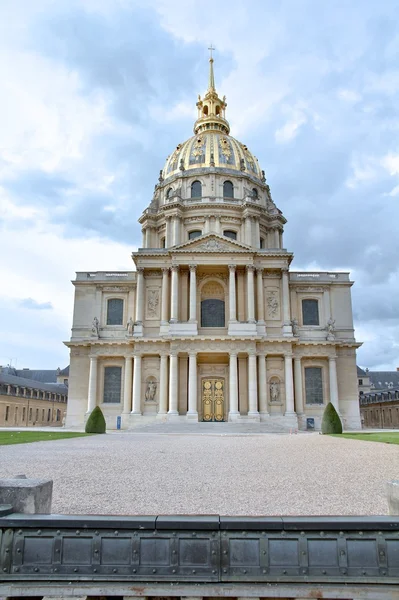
(130,326)
(95,328)
(151,391)
(295,326)
(274,391)
(330,327)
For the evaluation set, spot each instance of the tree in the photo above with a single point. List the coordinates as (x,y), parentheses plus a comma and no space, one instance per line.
(96,422)
(331,422)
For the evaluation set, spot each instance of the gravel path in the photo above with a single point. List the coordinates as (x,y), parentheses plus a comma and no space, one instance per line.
(253,474)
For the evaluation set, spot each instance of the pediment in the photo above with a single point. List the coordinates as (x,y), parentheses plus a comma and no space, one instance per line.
(212,242)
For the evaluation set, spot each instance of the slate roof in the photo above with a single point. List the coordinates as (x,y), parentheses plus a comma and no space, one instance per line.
(64,372)
(384,380)
(58,388)
(42,375)
(361,372)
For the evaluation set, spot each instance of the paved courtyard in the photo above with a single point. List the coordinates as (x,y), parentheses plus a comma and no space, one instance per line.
(209,468)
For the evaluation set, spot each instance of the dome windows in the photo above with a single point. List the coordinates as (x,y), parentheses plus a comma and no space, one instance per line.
(169,193)
(228,190)
(194,234)
(196,189)
(255,194)
(230,234)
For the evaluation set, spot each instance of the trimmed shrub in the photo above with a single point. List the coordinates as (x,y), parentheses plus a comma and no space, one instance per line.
(96,422)
(331,422)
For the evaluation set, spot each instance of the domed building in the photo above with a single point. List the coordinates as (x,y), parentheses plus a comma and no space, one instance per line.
(212,325)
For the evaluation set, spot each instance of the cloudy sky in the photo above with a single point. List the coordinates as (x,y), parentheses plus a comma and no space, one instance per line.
(94,94)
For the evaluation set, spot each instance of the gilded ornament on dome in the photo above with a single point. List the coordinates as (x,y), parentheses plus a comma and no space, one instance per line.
(197,154)
(173,162)
(225,151)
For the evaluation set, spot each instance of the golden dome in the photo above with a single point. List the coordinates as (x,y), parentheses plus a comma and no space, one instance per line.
(212,146)
(212,149)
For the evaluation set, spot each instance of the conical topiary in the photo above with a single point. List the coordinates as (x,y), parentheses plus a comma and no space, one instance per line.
(96,422)
(331,422)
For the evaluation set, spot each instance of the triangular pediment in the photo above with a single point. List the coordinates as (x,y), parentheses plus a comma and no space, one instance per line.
(212,242)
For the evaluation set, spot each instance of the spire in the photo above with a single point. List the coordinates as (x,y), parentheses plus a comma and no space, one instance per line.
(211,85)
(211,108)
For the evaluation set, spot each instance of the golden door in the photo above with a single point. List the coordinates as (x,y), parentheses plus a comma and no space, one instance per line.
(212,399)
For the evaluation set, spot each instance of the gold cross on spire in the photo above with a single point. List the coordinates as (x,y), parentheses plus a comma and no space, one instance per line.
(211,84)
(210,50)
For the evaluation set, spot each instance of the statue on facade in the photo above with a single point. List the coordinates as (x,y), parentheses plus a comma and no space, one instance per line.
(95,328)
(274,391)
(130,326)
(151,391)
(295,326)
(330,327)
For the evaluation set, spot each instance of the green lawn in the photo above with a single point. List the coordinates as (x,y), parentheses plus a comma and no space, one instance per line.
(24,437)
(386,438)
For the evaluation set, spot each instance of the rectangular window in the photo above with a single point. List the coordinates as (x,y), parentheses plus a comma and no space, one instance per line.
(112,384)
(310,312)
(43,414)
(360,381)
(23,413)
(115,311)
(37,414)
(49,415)
(314,385)
(7,412)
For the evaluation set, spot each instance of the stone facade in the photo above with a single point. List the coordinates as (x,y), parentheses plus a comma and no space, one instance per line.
(212,324)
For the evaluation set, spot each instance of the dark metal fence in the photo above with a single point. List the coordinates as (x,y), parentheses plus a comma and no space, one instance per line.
(199,549)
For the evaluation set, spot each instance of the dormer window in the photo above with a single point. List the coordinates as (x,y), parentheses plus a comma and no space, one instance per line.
(169,193)
(194,234)
(230,234)
(228,190)
(255,194)
(196,189)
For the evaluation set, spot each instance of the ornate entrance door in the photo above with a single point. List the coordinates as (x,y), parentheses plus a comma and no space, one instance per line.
(212,399)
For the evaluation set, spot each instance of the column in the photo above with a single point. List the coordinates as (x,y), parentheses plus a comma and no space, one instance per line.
(263,408)
(174,301)
(298,385)
(173,384)
(289,386)
(176,230)
(206,225)
(193,294)
(276,238)
(137,385)
(92,394)
(165,296)
(148,237)
(139,295)
(257,233)
(168,233)
(163,385)
(217,224)
(259,295)
(143,233)
(192,384)
(127,388)
(250,294)
(232,294)
(332,368)
(233,385)
(287,327)
(252,385)
(248,231)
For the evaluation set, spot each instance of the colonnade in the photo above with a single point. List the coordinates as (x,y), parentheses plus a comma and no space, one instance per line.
(250,232)
(254,294)
(258,400)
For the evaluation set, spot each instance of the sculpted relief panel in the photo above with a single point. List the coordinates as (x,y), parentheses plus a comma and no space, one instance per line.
(273,304)
(152,304)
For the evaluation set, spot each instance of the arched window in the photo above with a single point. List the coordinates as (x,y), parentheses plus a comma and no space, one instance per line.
(310,312)
(262,242)
(255,194)
(314,385)
(205,111)
(115,311)
(163,242)
(218,110)
(169,193)
(230,234)
(112,384)
(196,189)
(212,305)
(228,190)
(194,234)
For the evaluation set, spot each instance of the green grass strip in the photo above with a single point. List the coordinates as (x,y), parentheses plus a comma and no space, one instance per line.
(385,438)
(26,437)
